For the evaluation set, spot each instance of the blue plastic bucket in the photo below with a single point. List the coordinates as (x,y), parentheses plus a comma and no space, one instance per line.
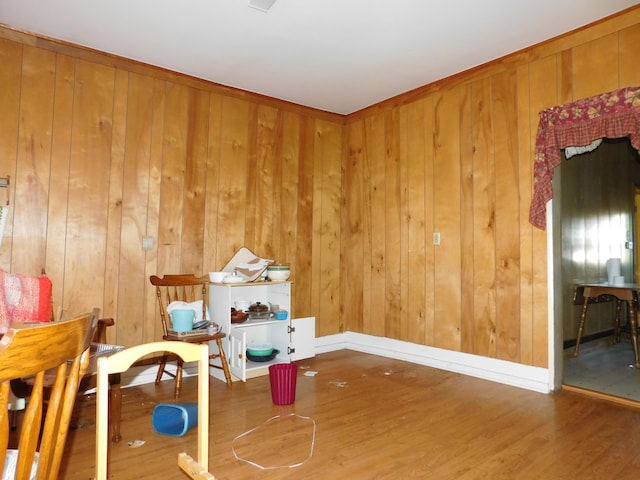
(182,320)
(174,419)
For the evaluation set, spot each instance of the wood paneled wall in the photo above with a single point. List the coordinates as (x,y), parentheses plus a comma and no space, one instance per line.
(102,151)
(455,157)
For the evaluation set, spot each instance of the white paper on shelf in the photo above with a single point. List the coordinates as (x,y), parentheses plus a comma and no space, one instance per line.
(247,264)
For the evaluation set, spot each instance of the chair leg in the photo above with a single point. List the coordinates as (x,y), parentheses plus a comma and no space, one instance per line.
(583,319)
(616,323)
(14,420)
(163,364)
(178,386)
(115,406)
(634,331)
(223,361)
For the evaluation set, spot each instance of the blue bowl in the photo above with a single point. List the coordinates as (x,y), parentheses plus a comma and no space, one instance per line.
(280,315)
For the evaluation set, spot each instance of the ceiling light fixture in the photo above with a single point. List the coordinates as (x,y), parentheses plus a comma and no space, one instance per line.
(262,5)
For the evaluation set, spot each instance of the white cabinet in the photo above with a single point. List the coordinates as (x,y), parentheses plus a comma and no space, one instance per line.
(293,337)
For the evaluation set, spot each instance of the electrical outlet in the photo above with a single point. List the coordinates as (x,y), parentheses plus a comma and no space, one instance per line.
(436,238)
(147,243)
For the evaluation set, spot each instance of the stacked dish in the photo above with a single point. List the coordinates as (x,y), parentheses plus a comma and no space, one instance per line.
(261,352)
(278,273)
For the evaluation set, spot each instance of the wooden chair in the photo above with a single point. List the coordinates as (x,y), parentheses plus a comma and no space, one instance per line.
(122,361)
(58,349)
(22,390)
(185,288)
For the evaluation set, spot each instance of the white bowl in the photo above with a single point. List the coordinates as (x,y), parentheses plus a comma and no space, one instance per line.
(242,305)
(217,277)
(278,274)
(232,279)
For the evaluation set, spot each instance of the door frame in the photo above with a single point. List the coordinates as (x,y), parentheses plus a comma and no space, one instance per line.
(554,306)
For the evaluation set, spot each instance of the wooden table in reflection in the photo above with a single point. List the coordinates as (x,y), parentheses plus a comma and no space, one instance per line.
(627,292)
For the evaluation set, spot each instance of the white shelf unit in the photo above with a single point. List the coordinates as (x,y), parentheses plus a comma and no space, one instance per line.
(293,337)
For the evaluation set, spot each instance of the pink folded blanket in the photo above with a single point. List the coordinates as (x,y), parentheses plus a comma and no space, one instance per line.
(24,298)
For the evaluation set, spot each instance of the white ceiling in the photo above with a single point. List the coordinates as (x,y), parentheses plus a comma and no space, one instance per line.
(335,55)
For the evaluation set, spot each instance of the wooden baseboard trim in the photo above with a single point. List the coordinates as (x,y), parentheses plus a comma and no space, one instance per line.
(602,396)
(587,338)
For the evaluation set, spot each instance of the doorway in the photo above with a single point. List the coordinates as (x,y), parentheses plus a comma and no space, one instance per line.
(594,219)
(636,233)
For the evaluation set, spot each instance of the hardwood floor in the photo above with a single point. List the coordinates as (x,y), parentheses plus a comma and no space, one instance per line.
(377,418)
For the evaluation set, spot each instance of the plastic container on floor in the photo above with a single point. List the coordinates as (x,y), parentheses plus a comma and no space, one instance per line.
(174,419)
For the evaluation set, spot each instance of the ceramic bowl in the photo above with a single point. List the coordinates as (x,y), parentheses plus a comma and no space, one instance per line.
(217,277)
(278,273)
(238,316)
(233,279)
(263,358)
(259,349)
(242,305)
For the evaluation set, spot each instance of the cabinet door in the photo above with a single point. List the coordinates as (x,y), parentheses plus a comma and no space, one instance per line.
(279,336)
(303,336)
(237,349)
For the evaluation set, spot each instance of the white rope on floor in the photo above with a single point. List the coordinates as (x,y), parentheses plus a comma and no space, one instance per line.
(262,467)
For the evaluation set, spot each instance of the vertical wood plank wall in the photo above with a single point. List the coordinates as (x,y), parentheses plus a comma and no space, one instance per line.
(465,159)
(102,152)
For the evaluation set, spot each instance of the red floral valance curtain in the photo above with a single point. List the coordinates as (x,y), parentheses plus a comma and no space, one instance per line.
(609,115)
